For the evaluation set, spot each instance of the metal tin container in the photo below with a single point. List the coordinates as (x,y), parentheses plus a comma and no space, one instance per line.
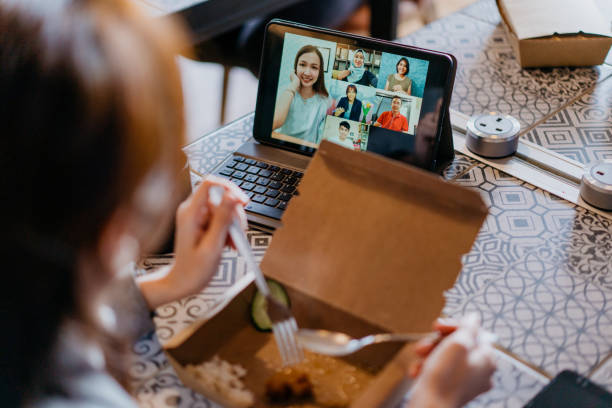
(596,185)
(492,134)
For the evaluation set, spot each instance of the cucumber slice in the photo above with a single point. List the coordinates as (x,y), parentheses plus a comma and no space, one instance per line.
(259,313)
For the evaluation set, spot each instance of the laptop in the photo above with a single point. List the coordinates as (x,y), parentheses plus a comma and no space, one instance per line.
(361,93)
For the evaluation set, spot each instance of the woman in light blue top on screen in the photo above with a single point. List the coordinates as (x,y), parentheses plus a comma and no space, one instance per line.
(302,106)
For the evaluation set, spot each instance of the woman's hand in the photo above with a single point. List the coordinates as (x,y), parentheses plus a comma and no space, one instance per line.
(201,235)
(398,88)
(339,111)
(294,82)
(456,370)
(344,74)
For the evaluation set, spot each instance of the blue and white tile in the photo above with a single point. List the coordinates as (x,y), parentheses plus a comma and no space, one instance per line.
(176,316)
(483,10)
(489,77)
(165,389)
(518,211)
(583,130)
(460,165)
(548,310)
(603,374)
(514,385)
(209,151)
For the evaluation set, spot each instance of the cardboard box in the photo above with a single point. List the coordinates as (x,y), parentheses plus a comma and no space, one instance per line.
(549,33)
(368,246)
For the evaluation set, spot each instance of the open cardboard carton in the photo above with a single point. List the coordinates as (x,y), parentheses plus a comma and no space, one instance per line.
(368,246)
(550,33)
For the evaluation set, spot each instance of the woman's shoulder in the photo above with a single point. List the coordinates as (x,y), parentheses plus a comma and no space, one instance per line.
(322,100)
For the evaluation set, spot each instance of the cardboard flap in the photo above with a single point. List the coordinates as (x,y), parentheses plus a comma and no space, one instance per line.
(533,19)
(375,238)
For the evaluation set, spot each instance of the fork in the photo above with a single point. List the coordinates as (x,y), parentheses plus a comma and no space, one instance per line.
(284,325)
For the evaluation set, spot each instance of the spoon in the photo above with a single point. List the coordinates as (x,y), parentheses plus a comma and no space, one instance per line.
(340,344)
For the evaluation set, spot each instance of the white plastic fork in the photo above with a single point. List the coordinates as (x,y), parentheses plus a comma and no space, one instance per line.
(284,325)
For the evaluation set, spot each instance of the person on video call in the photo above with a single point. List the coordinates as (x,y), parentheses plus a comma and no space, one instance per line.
(393,119)
(343,138)
(73,308)
(399,82)
(302,106)
(357,74)
(349,107)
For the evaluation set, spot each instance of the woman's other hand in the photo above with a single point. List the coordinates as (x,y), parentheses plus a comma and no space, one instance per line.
(456,370)
(201,235)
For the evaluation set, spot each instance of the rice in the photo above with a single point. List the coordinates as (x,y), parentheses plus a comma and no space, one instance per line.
(225,379)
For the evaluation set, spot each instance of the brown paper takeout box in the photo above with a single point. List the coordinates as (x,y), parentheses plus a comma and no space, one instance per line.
(552,33)
(368,246)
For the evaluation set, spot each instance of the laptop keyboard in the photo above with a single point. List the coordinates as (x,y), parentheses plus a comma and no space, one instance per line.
(268,186)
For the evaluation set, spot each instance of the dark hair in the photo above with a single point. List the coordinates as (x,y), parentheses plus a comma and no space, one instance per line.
(319,85)
(351,86)
(95,105)
(407,65)
(345,124)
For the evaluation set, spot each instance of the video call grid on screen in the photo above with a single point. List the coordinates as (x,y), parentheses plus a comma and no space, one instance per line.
(360,90)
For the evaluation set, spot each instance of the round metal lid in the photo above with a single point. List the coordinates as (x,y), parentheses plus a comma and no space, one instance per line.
(492,134)
(596,186)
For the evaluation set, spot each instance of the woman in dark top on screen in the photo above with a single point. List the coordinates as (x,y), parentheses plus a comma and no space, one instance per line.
(357,73)
(349,107)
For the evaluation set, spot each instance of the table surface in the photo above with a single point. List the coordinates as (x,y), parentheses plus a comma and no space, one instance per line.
(540,272)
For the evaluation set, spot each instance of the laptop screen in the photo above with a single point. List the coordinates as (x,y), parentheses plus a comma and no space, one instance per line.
(362,94)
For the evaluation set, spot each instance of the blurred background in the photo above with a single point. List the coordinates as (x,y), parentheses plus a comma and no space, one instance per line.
(204,81)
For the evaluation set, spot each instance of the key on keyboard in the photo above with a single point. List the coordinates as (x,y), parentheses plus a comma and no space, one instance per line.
(269,187)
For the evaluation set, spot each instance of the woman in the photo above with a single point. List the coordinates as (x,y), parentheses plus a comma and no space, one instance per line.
(399,82)
(357,73)
(95,123)
(349,107)
(302,106)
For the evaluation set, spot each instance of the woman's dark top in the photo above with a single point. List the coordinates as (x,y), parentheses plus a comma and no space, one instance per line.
(367,79)
(355,111)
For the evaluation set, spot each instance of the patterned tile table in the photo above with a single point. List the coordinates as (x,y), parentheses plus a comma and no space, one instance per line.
(540,271)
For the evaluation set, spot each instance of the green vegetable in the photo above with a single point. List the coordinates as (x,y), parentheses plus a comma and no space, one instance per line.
(259,313)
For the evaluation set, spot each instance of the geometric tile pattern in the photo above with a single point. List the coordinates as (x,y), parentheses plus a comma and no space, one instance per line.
(523,221)
(460,165)
(164,389)
(603,375)
(518,212)
(489,77)
(206,153)
(583,130)
(548,310)
(174,317)
(540,270)
(513,385)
